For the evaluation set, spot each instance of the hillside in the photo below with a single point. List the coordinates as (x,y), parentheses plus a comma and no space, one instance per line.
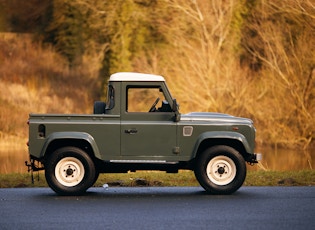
(35,79)
(22,16)
(247,58)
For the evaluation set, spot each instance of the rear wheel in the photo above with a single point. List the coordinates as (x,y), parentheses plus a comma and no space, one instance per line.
(70,171)
(220,170)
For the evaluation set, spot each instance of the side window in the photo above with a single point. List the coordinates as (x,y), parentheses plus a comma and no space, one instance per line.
(141,99)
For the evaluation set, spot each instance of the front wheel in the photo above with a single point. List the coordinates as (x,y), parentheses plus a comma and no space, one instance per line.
(70,171)
(220,170)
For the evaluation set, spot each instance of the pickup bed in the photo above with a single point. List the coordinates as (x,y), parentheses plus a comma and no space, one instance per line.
(140,128)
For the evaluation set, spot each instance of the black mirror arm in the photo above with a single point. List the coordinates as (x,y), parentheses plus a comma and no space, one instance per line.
(176,111)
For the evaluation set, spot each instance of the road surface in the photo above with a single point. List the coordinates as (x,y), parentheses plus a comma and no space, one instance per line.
(159,208)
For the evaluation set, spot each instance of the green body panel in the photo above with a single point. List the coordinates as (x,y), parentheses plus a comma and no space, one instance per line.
(212,130)
(101,131)
(154,137)
(119,135)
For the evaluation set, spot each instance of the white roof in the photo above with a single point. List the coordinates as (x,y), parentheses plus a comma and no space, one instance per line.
(130,76)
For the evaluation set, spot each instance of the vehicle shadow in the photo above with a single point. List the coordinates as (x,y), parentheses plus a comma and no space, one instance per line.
(149,193)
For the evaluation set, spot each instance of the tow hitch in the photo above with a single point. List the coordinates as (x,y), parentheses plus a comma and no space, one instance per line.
(33,166)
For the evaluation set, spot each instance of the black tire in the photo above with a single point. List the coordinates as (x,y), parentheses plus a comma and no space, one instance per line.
(95,177)
(69,171)
(220,170)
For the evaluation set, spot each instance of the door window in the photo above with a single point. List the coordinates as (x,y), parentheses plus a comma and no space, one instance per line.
(143,100)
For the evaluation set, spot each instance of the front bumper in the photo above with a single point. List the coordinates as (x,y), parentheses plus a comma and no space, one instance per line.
(258,156)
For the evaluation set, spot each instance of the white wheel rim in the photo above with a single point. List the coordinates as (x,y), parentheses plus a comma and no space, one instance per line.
(221,170)
(69,171)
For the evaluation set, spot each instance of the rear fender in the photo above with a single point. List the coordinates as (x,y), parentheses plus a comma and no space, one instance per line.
(71,136)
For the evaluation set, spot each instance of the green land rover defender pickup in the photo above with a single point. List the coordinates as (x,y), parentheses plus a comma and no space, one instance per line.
(140,128)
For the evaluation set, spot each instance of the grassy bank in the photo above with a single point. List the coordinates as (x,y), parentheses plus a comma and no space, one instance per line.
(184,178)
(34,78)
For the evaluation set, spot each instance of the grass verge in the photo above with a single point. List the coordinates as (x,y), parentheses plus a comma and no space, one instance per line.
(183,178)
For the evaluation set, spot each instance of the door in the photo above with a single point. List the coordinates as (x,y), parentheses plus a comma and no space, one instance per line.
(148,131)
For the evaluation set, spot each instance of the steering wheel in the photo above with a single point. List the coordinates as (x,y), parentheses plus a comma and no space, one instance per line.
(152,109)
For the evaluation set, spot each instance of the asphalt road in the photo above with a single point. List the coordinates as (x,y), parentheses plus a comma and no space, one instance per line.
(159,208)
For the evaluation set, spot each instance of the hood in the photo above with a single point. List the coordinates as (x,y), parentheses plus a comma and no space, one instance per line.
(214,117)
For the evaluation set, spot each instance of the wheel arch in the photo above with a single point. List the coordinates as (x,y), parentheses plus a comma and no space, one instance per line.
(234,140)
(80,140)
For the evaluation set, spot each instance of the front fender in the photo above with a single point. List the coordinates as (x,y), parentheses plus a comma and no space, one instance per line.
(222,135)
(71,136)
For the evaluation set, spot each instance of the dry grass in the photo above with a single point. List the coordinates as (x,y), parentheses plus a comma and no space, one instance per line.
(35,79)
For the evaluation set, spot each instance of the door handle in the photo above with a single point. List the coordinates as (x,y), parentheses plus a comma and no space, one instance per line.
(131,131)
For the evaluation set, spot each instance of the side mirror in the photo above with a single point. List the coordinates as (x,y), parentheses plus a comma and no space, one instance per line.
(176,111)
(99,107)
